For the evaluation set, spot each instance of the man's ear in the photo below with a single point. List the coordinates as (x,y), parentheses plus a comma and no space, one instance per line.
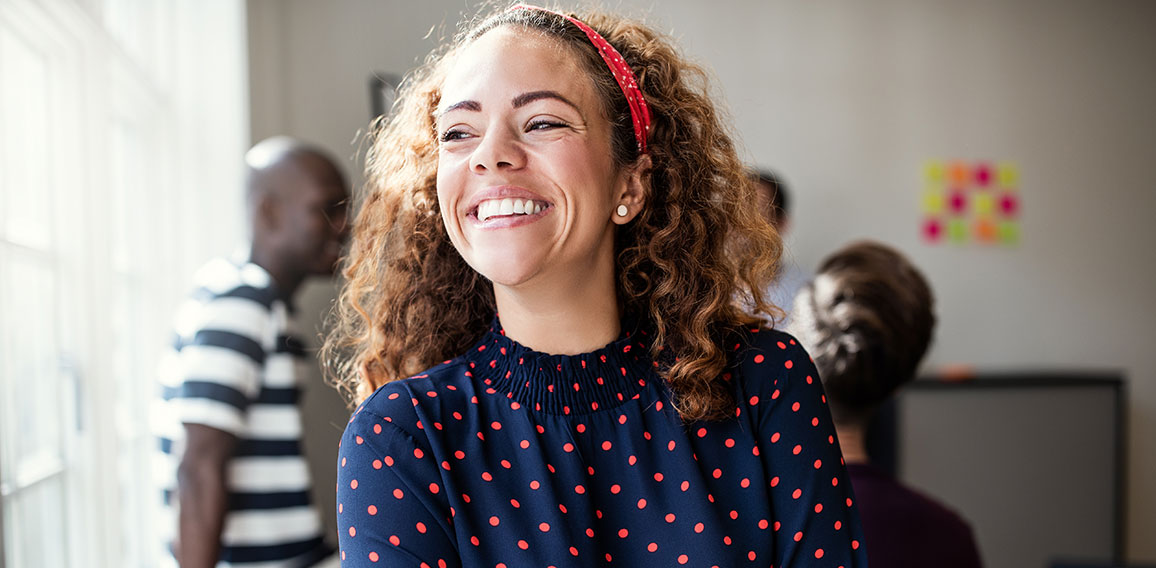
(634,188)
(267,215)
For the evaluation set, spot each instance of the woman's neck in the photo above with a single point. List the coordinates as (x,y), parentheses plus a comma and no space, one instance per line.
(853,441)
(573,315)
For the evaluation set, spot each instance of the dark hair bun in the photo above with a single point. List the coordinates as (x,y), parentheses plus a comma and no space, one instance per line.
(867,321)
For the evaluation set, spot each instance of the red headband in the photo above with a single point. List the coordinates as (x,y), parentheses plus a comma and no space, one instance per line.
(639,112)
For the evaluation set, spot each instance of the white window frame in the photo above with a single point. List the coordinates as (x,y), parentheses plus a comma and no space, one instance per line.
(176,72)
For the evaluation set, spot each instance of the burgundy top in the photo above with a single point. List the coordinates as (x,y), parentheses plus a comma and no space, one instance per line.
(904,528)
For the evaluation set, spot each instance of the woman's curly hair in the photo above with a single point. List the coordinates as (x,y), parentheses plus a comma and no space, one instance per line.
(692,265)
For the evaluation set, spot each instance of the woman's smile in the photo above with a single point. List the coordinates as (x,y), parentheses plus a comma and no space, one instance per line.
(506,206)
(501,208)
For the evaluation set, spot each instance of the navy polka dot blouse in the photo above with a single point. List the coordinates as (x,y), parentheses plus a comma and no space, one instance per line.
(507,457)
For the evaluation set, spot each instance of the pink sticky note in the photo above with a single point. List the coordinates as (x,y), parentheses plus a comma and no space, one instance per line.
(983,175)
(1009,205)
(932,230)
(958,202)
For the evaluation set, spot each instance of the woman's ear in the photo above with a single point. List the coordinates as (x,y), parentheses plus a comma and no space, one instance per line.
(633,190)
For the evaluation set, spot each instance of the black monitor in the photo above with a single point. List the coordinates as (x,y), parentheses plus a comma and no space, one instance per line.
(1034,461)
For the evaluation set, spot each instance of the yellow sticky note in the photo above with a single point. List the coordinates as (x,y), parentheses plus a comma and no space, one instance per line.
(932,202)
(933,173)
(1009,175)
(957,230)
(1009,232)
(983,203)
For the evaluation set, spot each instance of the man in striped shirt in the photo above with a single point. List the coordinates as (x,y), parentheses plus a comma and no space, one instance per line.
(237,488)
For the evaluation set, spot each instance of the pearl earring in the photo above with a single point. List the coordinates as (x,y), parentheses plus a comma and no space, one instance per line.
(622,210)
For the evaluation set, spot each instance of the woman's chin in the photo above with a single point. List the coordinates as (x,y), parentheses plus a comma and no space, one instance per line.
(509,269)
(508,277)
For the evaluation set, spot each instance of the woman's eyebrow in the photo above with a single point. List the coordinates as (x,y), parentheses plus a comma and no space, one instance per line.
(518,101)
(462,105)
(527,98)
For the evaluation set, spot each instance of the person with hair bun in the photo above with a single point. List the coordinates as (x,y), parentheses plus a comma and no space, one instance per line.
(867,319)
(570,173)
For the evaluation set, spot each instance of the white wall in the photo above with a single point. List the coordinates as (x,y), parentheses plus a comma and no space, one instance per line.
(848,99)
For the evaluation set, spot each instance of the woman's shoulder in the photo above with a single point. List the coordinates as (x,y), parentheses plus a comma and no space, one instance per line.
(762,356)
(764,345)
(399,401)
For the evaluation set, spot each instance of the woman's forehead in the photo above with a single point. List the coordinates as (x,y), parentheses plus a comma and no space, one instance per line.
(509,60)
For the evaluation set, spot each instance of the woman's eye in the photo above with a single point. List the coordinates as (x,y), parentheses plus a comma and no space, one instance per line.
(452,134)
(544,125)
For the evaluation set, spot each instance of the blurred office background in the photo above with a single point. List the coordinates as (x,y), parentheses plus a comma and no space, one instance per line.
(123,124)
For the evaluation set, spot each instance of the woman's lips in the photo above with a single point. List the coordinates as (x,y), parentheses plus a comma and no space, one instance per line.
(507,206)
(483,219)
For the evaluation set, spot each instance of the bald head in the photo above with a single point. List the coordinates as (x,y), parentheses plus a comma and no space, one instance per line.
(297,201)
(277,164)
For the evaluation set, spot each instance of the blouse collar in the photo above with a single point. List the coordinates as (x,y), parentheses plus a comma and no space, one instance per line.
(563,384)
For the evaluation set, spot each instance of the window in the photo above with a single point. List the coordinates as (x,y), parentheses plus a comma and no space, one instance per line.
(120,170)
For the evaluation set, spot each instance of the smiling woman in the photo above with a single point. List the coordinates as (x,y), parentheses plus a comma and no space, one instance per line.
(528,126)
(571,173)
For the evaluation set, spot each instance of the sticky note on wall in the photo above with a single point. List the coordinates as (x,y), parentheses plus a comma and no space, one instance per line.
(970,202)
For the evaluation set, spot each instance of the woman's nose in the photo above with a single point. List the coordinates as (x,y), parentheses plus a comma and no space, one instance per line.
(498,149)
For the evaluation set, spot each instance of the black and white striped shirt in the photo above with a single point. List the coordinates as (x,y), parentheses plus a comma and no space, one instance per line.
(234,366)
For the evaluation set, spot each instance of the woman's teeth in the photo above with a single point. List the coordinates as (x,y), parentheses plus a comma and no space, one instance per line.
(507,206)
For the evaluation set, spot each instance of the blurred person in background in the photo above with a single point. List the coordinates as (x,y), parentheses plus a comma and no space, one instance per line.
(774,203)
(236,485)
(867,320)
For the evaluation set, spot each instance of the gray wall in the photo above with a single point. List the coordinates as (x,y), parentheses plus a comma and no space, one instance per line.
(848,99)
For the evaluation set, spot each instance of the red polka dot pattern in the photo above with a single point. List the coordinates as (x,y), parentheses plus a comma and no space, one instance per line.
(506,456)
